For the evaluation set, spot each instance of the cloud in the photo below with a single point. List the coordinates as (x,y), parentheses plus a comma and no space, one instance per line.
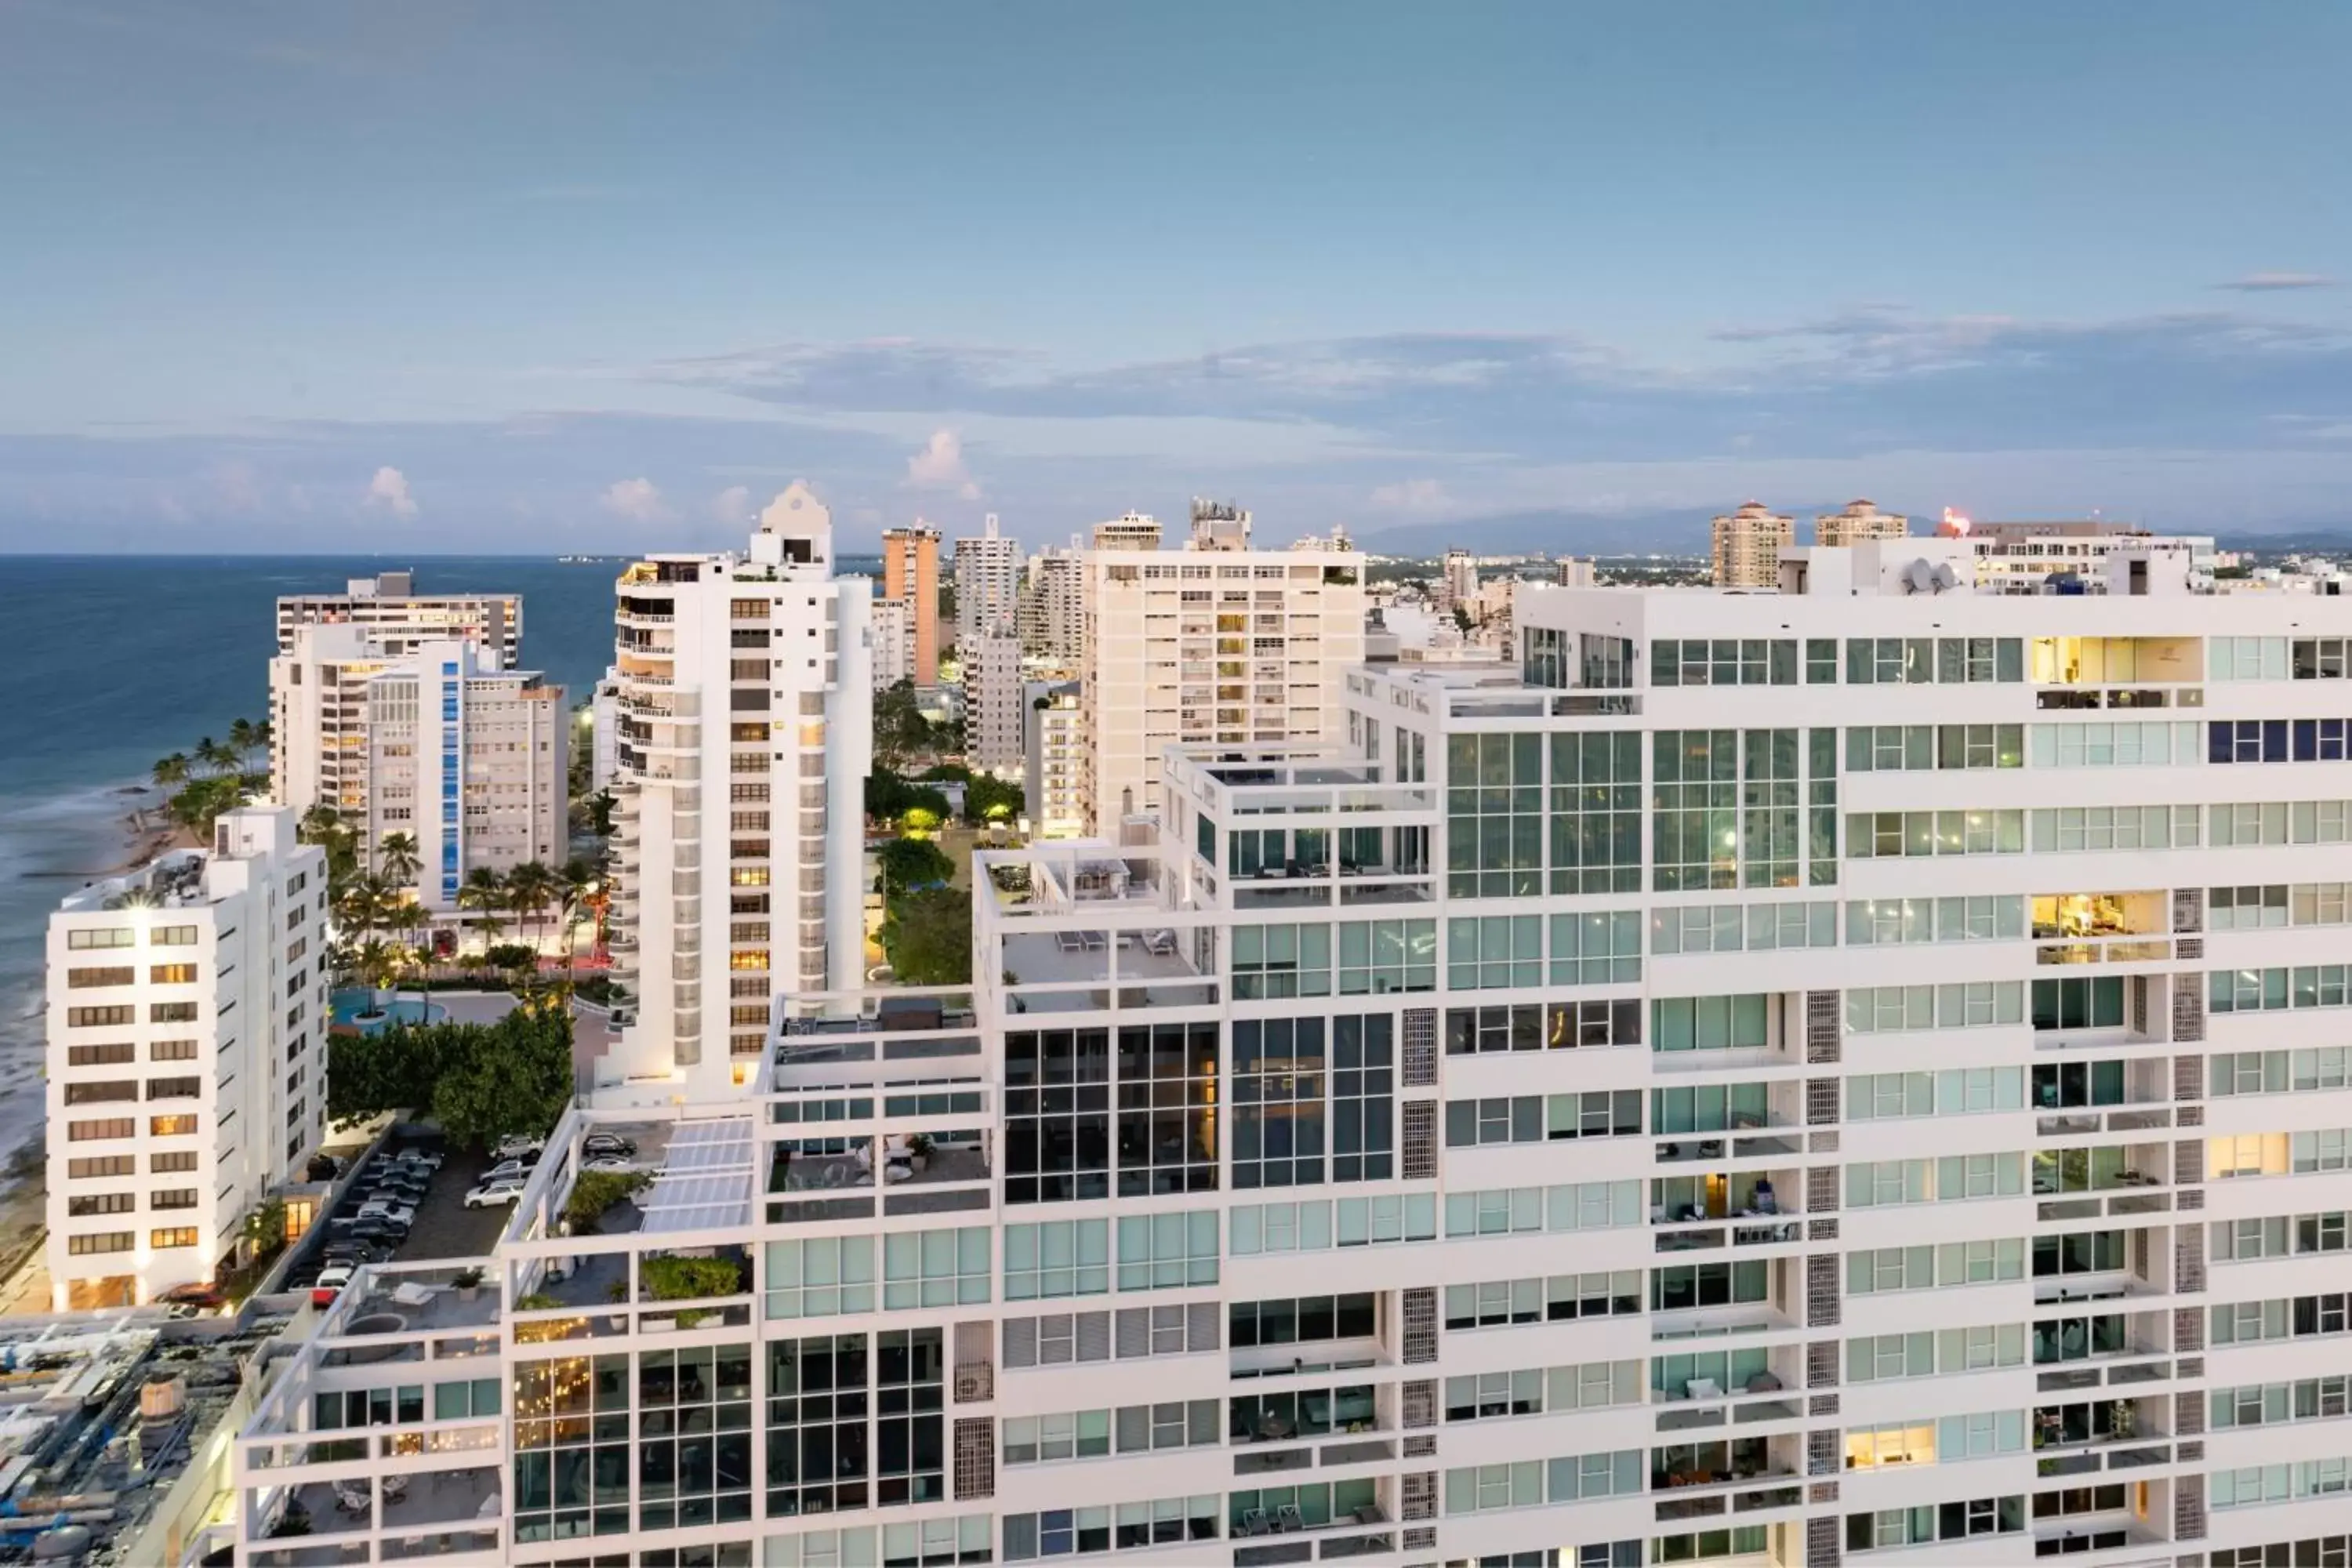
(638,500)
(1419,495)
(388,491)
(939,466)
(731,506)
(2276,282)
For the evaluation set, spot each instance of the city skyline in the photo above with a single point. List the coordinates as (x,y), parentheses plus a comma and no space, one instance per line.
(614,288)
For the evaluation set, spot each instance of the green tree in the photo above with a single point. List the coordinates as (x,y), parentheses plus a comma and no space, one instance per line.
(515,1078)
(928,935)
(171,771)
(911,863)
(264,1228)
(990,799)
(531,890)
(484,892)
(890,796)
(396,857)
(578,888)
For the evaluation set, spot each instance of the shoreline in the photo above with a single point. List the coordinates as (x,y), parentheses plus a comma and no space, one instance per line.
(148,846)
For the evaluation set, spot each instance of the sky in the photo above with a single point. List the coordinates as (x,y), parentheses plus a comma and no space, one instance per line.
(590,276)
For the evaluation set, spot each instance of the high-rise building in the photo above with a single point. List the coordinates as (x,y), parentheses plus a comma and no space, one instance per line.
(746,735)
(910,575)
(472,762)
(1052,615)
(1215,643)
(992,696)
(1460,584)
(1129,530)
(893,639)
(1748,546)
(2022,557)
(1859,521)
(987,584)
(390,610)
(501,742)
(187,1061)
(1572,571)
(1054,747)
(1773,1107)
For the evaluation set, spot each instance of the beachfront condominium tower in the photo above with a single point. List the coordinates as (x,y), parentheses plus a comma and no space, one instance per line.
(1773,1081)
(470,760)
(987,584)
(745,736)
(1747,545)
(394,614)
(1215,642)
(187,1061)
(1858,522)
(910,575)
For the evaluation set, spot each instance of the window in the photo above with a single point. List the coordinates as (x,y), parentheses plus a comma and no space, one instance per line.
(1888,1009)
(1305,1320)
(101,1203)
(172,1050)
(172,1011)
(84,941)
(171,1126)
(1561,1298)
(99,1017)
(1888,1357)
(1594,949)
(1596,812)
(1380,957)
(1278,1071)
(1700,662)
(91,979)
(111,1127)
(2070,1003)
(2101,744)
(1057,1115)
(1531,1483)
(1889,834)
(102,1165)
(1165,1251)
(1057,1259)
(2277,739)
(1710,1108)
(1282,961)
(175,1160)
(1703,1284)
(931,1268)
(170,973)
(2073,828)
(1876,1183)
(1902,1443)
(1322,1224)
(1570,1026)
(1477,1030)
(100,1241)
(1891,1529)
(1695,827)
(1494,821)
(1710,1022)
(183,1236)
(1494,951)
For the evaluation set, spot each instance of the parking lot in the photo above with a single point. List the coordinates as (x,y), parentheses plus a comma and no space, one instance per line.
(444,1228)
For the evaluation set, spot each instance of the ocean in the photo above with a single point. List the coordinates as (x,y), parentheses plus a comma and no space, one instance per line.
(127,658)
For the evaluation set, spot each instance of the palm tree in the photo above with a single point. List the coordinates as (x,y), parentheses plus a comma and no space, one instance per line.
(375,966)
(407,919)
(397,857)
(171,771)
(577,881)
(484,892)
(365,904)
(531,888)
(245,738)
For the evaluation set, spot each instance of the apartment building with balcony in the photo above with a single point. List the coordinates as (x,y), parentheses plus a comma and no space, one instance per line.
(744,735)
(1216,642)
(910,577)
(1055,744)
(388,607)
(1777,1080)
(187,1022)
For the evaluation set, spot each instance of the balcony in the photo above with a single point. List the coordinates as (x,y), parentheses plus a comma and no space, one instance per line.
(426,1503)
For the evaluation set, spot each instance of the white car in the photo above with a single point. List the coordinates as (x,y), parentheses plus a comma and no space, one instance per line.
(511,1147)
(331,1281)
(609,1164)
(491,1194)
(402,1214)
(510,1170)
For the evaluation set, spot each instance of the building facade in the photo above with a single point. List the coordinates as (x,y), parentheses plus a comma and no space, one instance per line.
(893,641)
(992,696)
(1127,531)
(987,584)
(472,762)
(1859,521)
(390,610)
(187,1064)
(745,739)
(2022,557)
(910,575)
(1053,608)
(1235,646)
(1747,545)
(1777,1080)
(1053,748)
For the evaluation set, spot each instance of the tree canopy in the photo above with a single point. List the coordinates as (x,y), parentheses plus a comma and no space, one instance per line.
(927,934)
(890,796)
(911,863)
(478,1080)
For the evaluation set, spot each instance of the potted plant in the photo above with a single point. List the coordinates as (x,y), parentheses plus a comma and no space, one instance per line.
(468,1283)
(918,1151)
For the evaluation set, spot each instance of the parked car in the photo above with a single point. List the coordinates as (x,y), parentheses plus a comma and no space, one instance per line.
(426,1159)
(514,1145)
(374,1229)
(194,1294)
(609,1164)
(489,1195)
(510,1170)
(608,1143)
(332,1281)
(398,1214)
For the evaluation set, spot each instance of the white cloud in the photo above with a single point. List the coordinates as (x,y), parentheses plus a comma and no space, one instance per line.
(732,505)
(939,466)
(1413,496)
(638,500)
(389,491)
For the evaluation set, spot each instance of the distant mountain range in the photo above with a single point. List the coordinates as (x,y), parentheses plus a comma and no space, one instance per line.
(1685,533)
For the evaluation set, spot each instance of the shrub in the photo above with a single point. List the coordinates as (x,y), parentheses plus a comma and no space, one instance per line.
(690,1278)
(536,1301)
(597,1191)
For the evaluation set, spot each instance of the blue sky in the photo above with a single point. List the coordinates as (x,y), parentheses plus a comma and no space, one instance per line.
(588,276)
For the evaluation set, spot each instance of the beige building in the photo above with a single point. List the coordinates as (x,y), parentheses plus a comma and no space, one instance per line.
(1213,643)
(396,615)
(1859,521)
(910,575)
(1748,546)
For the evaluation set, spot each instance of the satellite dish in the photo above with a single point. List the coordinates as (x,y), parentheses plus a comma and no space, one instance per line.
(1921,576)
(1945,578)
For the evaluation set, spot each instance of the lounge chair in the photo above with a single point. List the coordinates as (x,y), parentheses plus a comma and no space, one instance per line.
(1286,1518)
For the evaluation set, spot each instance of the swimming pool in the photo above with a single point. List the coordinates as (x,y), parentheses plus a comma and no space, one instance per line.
(352,1001)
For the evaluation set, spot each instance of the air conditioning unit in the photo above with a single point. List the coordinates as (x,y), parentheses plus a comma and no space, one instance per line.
(970,1387)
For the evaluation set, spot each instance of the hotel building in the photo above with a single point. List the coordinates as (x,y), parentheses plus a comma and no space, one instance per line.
(187,1025)
(1859,521)
(1777,1078)
(745,734)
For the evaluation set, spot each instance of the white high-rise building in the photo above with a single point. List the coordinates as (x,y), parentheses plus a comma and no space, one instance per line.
(1053,606)
(502,733)
(1461,583)
(1213,643)
(892,635)
(987,584)
(746,735)
(394,614)
(188,1060)
(1764,1087)
(992,696)
(2022,557)
(1055,743)
(471,762)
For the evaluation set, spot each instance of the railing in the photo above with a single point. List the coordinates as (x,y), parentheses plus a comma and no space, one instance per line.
(2117,950)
